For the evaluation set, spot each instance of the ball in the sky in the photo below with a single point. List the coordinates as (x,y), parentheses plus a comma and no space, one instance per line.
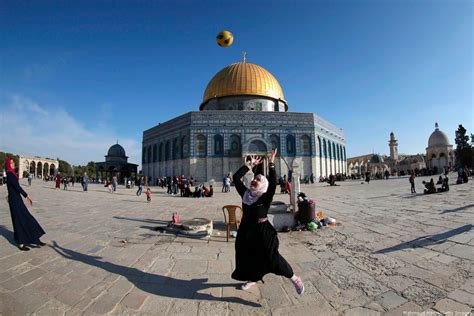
(224,39)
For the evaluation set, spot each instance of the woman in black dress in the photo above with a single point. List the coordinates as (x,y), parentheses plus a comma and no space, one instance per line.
(26,229)
(256,247)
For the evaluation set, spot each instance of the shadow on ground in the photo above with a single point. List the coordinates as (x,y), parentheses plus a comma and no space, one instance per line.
(428,239)
(143,220)
(154,283)
(465,207)
(8,235)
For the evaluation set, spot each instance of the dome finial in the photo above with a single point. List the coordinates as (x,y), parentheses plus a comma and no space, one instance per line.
(243,56)
(436,125)
(117,141)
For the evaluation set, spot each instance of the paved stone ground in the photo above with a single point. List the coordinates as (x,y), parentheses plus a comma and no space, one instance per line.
(392,252)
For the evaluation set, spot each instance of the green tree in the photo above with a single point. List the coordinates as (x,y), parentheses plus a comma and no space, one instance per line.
(90,168)
(64,167)
(464,151)
(79,170)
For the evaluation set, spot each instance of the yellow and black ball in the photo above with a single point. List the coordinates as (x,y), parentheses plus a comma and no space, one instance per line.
(224,39)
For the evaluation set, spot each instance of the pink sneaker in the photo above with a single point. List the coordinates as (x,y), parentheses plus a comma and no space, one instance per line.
(299,286)
(247,285)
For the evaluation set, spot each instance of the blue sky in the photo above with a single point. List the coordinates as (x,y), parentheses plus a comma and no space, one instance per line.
(75,76)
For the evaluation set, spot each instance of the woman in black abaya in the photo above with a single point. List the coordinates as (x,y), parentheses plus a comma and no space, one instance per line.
(256,246)
(26,229)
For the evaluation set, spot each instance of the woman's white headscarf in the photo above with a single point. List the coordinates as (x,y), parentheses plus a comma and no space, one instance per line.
(253,194)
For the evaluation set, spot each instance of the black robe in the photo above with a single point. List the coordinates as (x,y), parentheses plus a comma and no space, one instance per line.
(256,246)
(26,229)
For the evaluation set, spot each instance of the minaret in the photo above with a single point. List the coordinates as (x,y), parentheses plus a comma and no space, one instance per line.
(393,144)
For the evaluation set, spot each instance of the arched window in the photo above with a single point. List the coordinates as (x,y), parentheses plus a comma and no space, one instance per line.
(175,149)
(148,154)
(275,141)
(201,148)
(184,147)
(235,146)
(290,145)
(330,149)
(218,145)
(167,150)
(257,146)
(305,145)
(344,153)
(161,152)
(155,152)
(333,151)
(143,154)
(325,152)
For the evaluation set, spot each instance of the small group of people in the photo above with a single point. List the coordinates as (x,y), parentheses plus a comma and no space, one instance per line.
(226,183)
(111,184)
(199,191)
(430,187)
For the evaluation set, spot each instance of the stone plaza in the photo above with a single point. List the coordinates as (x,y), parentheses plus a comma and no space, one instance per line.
(391,253)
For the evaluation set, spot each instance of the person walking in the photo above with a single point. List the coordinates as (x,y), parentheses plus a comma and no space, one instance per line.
(256,246)
(227,183)
(85,181)
(224,188)
(140,186)
(114,183)
(58,180)
(26,229)
(148,194)
(30,178)
(412,182)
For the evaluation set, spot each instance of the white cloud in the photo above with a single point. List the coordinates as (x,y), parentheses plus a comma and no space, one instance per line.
(27,128)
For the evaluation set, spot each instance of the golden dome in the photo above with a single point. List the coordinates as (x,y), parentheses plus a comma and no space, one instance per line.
(243,79)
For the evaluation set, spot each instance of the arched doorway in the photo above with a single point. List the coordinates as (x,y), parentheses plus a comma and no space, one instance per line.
(33,168)
(258,147)
(40,170)
(46,170)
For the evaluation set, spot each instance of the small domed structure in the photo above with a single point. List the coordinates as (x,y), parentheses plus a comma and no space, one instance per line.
(116,164)
(438,138)
(376,159)
(116,151)
(439,153)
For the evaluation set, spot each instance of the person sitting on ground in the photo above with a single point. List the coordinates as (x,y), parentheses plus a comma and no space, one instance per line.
(198,191)
(208,192)
(445,185)
(440,180)
(306,209)
(429,187)
(187,191)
